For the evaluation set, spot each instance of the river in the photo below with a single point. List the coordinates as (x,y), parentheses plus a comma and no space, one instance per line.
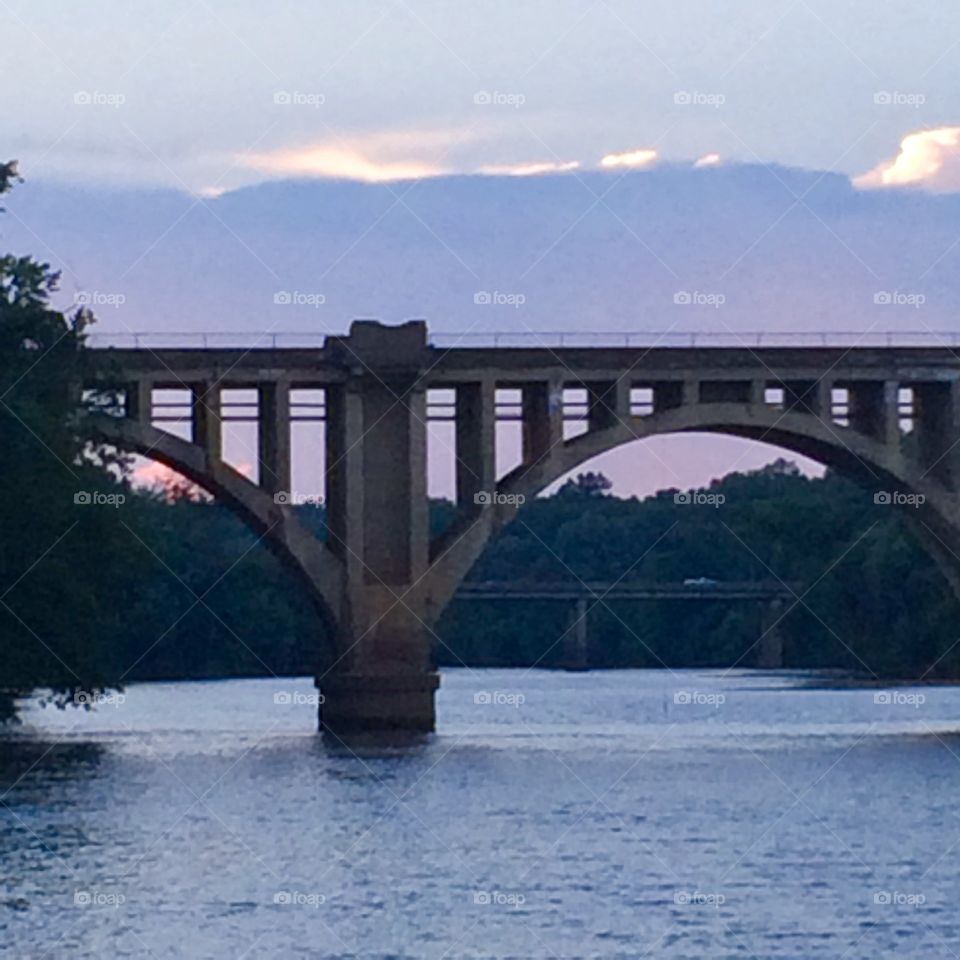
(606,814)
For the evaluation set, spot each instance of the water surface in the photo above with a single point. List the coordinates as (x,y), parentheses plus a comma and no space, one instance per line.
(606,814)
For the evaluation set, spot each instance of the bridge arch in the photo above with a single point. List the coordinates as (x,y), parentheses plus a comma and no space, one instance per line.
(866,461)
(300,553)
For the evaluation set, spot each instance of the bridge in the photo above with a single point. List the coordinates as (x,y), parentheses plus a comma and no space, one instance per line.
(886,416)
(583,596)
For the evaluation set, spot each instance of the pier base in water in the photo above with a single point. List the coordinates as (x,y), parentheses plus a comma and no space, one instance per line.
(371,703)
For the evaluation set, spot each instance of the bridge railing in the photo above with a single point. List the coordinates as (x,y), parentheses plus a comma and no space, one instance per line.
(273,340)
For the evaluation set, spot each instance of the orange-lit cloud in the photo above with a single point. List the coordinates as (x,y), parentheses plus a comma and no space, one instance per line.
(630,158)
(528,169)
(928,159)
(372,158)
(708,160)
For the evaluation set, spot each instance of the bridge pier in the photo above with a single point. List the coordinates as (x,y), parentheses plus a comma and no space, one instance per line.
(378,525)
(769,649)
(576,640)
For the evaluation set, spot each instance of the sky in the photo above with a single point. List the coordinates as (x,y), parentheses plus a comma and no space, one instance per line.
(208,96)
(152,135)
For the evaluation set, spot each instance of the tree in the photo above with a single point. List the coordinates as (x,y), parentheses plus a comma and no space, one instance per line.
(50,618)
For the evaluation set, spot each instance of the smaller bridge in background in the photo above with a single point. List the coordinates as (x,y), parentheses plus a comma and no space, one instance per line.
(584,595)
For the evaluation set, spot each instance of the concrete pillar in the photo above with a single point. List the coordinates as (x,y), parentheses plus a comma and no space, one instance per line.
(823,399)
(139,401)
(758,392)
(378,523)
(205,422)
(576,644)
(604,404)
(935,427)
(691,392)
(475,443)
(273,436)
(769,649)
(891,414)
(542,414)
(867,402)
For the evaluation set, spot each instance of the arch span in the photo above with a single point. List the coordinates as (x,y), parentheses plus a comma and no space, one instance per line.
(864,460)
(304,556)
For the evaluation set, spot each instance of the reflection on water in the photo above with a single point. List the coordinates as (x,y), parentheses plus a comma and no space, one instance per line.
(607,814)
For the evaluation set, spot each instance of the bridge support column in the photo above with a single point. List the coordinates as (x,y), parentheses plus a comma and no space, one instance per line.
(542,413)
(273,436)
(576,648)
(769,649)
(475,444)
(378,524)
(205,419)
(936,426)
(138,403)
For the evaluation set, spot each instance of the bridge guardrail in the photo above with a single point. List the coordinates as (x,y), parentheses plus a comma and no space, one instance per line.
(252,340)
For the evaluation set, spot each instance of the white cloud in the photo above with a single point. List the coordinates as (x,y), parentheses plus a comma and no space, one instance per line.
(928,159)
(708,160)
(630,158)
